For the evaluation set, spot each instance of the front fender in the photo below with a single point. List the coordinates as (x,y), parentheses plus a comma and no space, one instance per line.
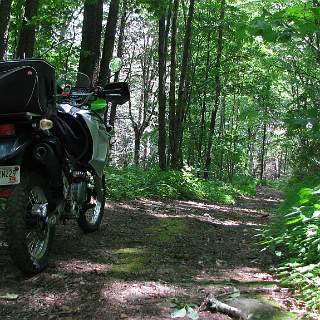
(11,147)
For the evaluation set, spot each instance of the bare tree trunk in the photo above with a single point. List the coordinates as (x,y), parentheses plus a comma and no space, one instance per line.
(263,150)
(137,146)
(176,156)
(5,8)
(217,88)
(120,52)
(109,39)
(250,150)
(162,51)
(204,102)
(27,36)
(222,133)
(91,37)
(172,93)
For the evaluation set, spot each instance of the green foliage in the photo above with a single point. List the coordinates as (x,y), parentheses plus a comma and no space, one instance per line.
(295,238)
(133,183)
(186,311)
(294,21)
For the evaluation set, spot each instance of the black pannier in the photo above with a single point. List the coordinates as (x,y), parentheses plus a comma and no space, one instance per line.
(27,86)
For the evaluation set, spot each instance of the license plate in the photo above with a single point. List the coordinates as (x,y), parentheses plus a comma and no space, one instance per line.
(9,175)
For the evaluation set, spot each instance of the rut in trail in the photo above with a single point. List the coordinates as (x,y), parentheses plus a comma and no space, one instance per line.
(149,258)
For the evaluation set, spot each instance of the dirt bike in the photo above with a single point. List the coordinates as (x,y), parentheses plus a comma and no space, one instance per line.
(54,145)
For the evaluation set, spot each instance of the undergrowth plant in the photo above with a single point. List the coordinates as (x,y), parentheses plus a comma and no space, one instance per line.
(134,183)
(295,237)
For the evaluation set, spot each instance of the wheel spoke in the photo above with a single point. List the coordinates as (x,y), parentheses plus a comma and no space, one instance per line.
(38,237)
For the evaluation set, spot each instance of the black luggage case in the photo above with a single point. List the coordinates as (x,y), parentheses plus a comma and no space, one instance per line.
(27,86)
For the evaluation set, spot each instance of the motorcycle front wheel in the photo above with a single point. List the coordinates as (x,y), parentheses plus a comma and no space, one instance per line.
(29,231)
(92,212)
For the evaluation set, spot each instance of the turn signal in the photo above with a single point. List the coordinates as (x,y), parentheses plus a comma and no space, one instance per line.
(46,124)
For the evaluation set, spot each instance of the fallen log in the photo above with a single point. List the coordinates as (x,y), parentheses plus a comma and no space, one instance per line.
(213,305)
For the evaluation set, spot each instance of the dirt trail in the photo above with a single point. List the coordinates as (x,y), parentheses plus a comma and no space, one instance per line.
(149,257)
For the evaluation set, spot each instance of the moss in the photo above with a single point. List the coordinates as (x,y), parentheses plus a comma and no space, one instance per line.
(167,230)
(130,260)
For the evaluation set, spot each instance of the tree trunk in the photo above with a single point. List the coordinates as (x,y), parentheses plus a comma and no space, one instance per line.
(263,150)
(217,88)
(162,94)
(176,157)
(250,149)
(137,144)
(109,40)
(91,37)
(5,8)
(27,36)
(172,93)
(221,134)
(120,52)
(204,102)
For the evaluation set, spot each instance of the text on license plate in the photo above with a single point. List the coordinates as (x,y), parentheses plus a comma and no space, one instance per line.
(9,175)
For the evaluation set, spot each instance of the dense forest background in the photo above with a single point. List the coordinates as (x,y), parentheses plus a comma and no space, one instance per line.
(222,90)
(224,87)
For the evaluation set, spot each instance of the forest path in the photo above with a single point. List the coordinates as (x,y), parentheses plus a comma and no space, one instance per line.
(149,257)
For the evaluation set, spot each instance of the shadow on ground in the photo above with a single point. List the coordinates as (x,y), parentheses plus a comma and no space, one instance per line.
(146,254)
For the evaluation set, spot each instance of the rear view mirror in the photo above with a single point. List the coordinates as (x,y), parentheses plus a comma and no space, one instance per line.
(115,65)
(117,93)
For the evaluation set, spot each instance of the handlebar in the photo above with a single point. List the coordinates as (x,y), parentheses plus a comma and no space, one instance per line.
(117,93)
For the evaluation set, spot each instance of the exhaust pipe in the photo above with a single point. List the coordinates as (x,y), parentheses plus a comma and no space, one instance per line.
(45,154)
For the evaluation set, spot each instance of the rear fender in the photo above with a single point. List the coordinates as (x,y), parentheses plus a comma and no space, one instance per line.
(13,147)
(12,152)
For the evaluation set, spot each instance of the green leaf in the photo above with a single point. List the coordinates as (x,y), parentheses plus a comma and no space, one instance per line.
(296,220)
(181,313)
(192,314)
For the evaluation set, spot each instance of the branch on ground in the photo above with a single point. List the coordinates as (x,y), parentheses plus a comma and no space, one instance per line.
(213,305)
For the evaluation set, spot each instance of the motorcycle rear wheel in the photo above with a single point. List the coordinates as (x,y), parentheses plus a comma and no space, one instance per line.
(29,232)
(91,215)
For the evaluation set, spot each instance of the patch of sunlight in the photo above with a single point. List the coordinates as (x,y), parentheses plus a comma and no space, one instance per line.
(124,292)
(261,199)
(217,208)
(128,251)
(206,218)
(129,260)
(42,299)
(166,230)
(238,274)
(149,202)
(82,266)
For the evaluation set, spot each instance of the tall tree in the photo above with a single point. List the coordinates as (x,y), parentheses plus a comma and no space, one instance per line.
(164,23)
(173,65)
(120,52)
(91,36)
(147,101)
(5,8)
(176,156)
(27,36)
(214,112)
(109,40)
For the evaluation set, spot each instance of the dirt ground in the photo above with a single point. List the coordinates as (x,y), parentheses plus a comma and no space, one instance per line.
(149,258)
